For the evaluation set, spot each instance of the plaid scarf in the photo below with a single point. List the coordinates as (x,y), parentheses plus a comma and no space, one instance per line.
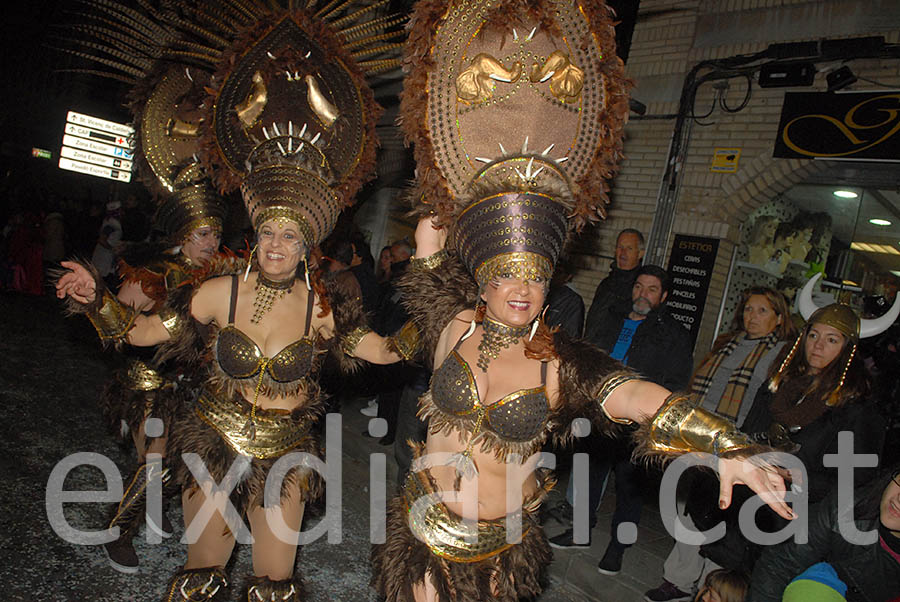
(739,379)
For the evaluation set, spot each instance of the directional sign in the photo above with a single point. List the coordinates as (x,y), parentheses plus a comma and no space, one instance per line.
(106,137)
(95,170)
(96,123)
(97,147)
(89,157)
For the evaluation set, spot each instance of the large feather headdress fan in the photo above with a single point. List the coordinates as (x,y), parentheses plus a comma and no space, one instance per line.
(517,110)
(269,97)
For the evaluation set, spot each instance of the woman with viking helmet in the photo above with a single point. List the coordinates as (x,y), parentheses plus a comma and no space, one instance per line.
(516,110)
(818,388)
(289,119)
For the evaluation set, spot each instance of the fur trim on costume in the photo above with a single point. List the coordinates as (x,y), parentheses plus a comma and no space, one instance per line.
(71,306)
(345,299)
(583,370)
(190,434)
(120,402)
(434,297)
(512,575)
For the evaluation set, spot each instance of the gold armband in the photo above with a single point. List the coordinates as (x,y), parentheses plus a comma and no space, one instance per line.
(350,341)
(607,389)
(406,341)
(113,319)
(172,321)
(430,262)
(681,426)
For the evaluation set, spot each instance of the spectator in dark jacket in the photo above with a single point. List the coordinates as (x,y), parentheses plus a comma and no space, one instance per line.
(870,569)
(647,338)
(615,289)
(565,307)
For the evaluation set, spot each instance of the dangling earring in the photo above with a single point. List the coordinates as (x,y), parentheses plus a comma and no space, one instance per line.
(306,272)
(249,262)
(471,330)
(537,322)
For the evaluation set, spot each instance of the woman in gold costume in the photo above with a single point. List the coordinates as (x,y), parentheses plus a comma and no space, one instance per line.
(283,113)
(516,110)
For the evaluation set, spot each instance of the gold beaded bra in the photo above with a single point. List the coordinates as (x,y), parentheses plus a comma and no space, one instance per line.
(241,358)
(518,417)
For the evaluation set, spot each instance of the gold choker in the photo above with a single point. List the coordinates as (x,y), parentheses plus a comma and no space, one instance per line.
(267,293)
(496,338)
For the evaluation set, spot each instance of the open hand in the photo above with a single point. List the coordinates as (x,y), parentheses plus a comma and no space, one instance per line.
(77,283)
(764,479)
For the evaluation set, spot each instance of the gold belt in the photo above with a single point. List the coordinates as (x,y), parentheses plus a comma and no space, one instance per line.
(276,432)
(448,535)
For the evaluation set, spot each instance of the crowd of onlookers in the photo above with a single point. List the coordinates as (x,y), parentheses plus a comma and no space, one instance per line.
(787,384)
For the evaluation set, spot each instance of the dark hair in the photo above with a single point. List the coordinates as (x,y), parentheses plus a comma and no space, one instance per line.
(658,273)
(785,330)
(856,381)
(632,231)
(867,504)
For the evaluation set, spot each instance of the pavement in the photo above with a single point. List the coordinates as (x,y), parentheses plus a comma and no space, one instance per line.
(52,370)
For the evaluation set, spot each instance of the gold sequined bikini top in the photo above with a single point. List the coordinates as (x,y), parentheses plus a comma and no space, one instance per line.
(240,358)
(519,416)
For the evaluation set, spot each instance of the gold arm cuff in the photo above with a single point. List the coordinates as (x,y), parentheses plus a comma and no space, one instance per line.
(113,319)
(430,262)
(350,341)
(611,384)
(407,341)
(141,377)
(681,426)
(172,321)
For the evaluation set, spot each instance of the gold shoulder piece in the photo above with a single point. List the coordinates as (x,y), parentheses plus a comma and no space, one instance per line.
(172,322)
(430,262)
(612,383)
(113,319)
(351,340)
(681,426)
(407,341)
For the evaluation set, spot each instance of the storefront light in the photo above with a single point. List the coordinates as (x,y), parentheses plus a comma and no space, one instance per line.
(845,194)
(877,221)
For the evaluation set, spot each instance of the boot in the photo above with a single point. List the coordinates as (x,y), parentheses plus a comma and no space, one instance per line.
(196,585)
(263,589)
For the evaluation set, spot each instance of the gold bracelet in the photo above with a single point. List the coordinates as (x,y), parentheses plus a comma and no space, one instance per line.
(430,262)
(681,426)
(113,319)
(350,341)
(612,383)
(407,341)
(172,321)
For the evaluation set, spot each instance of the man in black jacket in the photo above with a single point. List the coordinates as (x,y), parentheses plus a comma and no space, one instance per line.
(648,339)
(616,287)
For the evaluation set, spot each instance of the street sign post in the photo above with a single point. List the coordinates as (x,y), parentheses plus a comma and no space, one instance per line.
(97,147)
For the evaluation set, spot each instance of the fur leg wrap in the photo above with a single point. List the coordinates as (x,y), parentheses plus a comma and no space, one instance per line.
(263,589)
(196,585)
(131,508)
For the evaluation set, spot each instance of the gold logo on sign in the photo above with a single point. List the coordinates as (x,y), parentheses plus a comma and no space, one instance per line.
(857,134)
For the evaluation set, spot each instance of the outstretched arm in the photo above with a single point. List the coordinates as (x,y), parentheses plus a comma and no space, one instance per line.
(116,321)
(672,424)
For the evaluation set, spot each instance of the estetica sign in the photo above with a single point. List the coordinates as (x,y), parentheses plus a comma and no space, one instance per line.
(858,126)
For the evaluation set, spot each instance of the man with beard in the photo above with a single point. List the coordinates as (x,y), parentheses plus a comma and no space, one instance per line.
(648,339)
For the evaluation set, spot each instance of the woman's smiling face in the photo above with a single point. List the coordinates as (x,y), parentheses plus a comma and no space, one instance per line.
(280,249)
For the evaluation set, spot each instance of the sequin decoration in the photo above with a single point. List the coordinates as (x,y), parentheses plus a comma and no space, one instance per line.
(267,293)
